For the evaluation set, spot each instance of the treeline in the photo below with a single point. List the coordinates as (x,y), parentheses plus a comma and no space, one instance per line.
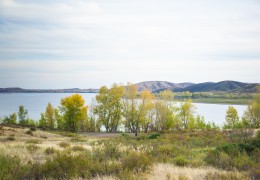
(220,95)
(121,108)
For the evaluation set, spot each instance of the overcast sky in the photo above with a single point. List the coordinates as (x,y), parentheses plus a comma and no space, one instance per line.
(89,43)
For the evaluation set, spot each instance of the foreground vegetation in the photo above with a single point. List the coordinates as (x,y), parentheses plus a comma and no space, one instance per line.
(184,154)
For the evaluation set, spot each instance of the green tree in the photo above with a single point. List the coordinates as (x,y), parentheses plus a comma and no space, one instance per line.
(23,116)
(43,122)
(130,107)
(186,111)
(109,107)
(252,114)
(50,116)
(11,119)
(165,111)
(232,118)
(74,112)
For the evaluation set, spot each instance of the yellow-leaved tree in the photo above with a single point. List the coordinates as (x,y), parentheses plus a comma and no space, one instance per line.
(74,112)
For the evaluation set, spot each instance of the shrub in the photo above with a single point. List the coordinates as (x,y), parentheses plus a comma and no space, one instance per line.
(50,150)
(181,161)
(29,132)
(154,136)
(10,138)
(43,137)
(166,152)
(11,168)
(64,144)
(32,148)
(78,148)
(137,162)
(107,150)
(66,166)
(33,128)
(258,135)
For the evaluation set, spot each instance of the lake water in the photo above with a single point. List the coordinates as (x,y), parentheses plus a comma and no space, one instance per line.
(36,103)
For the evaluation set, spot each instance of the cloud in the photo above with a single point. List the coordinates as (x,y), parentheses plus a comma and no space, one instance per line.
(110,41)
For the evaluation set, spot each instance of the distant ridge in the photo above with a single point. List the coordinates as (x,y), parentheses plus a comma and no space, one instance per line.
(73,90)
(222,86)
(157,86)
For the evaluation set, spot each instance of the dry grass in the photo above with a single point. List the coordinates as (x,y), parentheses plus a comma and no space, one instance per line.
(171,172)
(21,140)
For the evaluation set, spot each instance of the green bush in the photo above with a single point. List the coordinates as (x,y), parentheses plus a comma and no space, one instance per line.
(137,162)
(50,150)
(181,161)
(165,152)
(258,135)
(154,136)
(11,168)
(78,148)
(66,166)
(107,150)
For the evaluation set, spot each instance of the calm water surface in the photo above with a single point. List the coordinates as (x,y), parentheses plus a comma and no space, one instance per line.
(36,103)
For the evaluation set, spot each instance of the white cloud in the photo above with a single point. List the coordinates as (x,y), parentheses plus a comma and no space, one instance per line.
(110,41)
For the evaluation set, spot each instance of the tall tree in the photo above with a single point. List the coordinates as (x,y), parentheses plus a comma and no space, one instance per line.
(74,112)
(23,116)
(144,111)
(50,116)
(232,118)
(164,110)
(109,107)
(186,112)
(252,114)
(130,107)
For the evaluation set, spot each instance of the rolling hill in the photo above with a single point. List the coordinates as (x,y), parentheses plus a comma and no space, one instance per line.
(155,86)
(226,86)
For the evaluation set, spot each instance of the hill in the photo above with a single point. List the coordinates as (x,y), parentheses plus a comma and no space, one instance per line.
(222,86)
(155,86)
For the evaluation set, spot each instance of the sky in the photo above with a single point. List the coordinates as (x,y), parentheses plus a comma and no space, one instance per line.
(90,43)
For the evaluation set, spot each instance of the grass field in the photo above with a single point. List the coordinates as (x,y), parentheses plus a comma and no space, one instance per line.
(171,155)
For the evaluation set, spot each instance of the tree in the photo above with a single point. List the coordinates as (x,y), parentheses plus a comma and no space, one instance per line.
(23,116)
(11,119)
(232,118)
(143,108)
(186,112)
(164,110)
(144,111)
(74,112)
(42,121)
(109,106)
(252,114)
(50,116)
(130,105)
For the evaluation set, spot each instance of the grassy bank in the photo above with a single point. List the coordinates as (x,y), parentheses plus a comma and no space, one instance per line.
(222,101)
(29,154)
